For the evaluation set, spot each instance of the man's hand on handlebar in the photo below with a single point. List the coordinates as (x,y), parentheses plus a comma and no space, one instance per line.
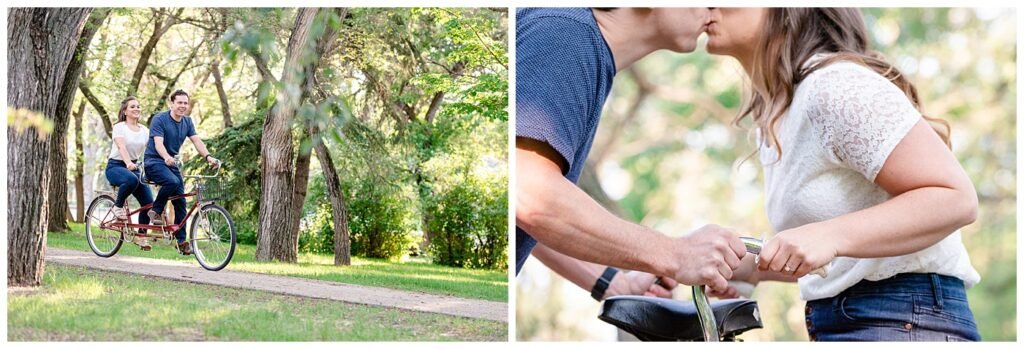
(709,256)
(213,162)
(746,273)
(645,284)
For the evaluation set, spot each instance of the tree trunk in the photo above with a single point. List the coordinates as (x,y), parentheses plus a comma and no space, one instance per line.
(225,107)
(301,183)
(342,240)
(159,29)
(79,165)
(40,45)
(277,185)
(58,200)
(96,104)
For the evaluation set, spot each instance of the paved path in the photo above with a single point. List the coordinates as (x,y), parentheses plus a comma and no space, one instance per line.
(173,270)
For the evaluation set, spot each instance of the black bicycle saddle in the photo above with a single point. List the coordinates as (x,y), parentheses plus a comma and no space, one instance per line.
(659,319)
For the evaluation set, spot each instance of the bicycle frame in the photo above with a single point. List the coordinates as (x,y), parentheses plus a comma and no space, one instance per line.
(113,224)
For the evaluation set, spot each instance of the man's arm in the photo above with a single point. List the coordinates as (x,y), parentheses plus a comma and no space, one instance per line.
(585,275)
(561,216)
(158,142)
(200,146)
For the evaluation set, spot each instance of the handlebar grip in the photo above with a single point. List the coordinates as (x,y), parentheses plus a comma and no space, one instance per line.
(745,289)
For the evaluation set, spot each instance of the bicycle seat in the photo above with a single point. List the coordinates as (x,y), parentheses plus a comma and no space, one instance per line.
(659,319)
(145,180)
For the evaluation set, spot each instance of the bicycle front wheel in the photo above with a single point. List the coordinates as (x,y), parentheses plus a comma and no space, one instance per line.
(213,237)
(103,242)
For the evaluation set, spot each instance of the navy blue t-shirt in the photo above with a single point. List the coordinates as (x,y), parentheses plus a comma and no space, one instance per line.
(564,72)
(173,132)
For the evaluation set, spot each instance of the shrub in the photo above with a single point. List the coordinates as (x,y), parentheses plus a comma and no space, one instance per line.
(379,219)
(469,224)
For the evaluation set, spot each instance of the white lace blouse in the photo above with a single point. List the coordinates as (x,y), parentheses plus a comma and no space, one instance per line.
(844,121)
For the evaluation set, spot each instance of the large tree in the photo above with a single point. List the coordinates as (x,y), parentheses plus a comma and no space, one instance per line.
(274,236)
(58,200)
(41,43)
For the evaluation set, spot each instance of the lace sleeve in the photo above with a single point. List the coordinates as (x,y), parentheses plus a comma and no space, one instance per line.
(859,115)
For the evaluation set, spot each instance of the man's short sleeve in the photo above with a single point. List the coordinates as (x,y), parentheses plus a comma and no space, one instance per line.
(558,62)
(190,128)
(157,128)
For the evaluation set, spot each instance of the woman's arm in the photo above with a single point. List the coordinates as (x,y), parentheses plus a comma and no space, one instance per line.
(932,197)
(123,150)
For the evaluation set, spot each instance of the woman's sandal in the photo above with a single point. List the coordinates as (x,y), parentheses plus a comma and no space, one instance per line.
(120,214)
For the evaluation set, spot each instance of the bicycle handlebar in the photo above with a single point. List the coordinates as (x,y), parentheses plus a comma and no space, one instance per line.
(220,166)
(704,313)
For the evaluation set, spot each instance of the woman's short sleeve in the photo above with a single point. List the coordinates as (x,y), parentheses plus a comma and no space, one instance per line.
(859,115)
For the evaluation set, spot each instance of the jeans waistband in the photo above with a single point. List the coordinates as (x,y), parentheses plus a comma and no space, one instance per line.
(120,162)
(930,284)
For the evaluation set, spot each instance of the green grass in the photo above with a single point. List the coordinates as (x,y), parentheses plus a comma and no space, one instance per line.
(415,274)
(78,304)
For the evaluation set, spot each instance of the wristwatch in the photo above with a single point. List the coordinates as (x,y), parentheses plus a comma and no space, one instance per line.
(602,283)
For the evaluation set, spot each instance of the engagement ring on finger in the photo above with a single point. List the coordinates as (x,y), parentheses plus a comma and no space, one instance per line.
(787,269)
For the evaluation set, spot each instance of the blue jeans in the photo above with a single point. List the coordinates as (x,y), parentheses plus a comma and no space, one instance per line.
(905,307)
(171,184)
(129,183)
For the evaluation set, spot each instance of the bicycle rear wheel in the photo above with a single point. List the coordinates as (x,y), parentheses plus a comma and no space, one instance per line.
(213,237)
(103,242)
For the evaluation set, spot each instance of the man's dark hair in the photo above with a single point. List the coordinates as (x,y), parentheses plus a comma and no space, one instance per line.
(179,93)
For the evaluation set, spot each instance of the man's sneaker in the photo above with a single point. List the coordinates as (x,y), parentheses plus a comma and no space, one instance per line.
(184,248)
(156,218)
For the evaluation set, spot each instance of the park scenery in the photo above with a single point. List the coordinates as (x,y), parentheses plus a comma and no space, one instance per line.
(666,156)
(345,173)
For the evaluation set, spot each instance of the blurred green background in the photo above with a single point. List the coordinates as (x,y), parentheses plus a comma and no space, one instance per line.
(667,157)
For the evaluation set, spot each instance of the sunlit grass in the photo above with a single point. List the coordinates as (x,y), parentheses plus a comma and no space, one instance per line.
(83,304)
(413,274)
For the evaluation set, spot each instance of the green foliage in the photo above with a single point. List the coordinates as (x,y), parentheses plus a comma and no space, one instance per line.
(470,224)
(380,219)
(318,234)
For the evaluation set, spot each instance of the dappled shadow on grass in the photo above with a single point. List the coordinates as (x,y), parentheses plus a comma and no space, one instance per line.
(82,304)
(413,275)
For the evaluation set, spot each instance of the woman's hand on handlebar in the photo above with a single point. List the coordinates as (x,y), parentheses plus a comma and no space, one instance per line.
(798,251)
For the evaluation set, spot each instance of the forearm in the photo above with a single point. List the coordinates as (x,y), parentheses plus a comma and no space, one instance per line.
(160,149)
(580,273)
(122,150)
(905,224)
(563,217)
(200,146)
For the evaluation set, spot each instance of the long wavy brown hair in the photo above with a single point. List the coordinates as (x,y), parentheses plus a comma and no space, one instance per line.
(789,38)
(122,115)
